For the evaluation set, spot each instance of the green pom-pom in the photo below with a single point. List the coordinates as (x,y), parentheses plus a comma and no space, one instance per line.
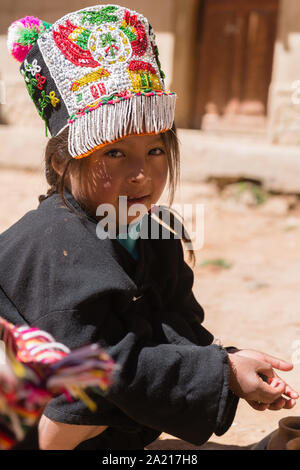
(28,36)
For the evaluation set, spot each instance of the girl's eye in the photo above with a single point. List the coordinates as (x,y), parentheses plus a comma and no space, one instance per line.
(114,153)
(156,151)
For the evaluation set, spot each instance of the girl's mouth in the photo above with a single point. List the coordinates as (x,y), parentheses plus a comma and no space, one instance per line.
(137,200)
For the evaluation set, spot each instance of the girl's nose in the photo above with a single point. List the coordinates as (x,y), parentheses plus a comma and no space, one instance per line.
(138,174)
(137,177)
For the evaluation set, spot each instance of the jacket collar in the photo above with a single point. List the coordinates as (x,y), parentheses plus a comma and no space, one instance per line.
(135,269)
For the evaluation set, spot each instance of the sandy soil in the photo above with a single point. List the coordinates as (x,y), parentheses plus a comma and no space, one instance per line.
(254,303)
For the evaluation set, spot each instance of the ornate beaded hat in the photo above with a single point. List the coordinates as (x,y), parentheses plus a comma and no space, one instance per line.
(97,71)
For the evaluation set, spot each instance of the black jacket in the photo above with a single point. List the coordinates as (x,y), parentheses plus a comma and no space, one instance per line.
(55,274)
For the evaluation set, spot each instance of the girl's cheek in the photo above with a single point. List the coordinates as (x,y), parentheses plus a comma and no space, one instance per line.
(104,176)
(107,188)
(161,175)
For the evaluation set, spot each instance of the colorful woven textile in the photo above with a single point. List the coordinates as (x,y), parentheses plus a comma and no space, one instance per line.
(34,368)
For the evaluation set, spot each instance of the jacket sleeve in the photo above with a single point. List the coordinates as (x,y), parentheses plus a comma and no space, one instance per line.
(185,303)
(176,388)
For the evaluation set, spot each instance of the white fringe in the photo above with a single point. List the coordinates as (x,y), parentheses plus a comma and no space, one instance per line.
(110,122)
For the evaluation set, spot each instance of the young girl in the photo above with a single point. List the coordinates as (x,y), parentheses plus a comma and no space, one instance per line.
(96,80)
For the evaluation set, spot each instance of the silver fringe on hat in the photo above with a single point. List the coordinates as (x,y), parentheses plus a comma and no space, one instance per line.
(111,122)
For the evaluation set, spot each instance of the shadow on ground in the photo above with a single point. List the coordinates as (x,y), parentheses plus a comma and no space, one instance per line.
(176,444)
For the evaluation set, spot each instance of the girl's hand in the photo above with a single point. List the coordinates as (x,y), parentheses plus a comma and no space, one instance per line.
(247,369)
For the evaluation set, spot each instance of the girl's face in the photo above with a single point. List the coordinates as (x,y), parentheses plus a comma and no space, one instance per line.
(136,167)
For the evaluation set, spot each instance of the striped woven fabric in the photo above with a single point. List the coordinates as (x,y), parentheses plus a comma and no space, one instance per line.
(34,368)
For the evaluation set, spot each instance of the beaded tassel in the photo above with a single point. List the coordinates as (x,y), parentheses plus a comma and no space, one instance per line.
(137,115)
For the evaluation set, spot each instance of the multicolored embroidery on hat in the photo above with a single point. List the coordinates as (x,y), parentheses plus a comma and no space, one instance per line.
(97,71)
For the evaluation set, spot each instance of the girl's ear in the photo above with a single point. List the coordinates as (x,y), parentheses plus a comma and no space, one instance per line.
(58,161)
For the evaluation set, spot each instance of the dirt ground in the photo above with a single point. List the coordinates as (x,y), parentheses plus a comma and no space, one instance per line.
(251,294)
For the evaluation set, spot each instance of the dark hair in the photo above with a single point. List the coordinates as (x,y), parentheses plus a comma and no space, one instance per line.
(57,148)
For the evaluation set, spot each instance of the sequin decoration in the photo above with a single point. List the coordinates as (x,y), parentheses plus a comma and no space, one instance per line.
(143,76)
(102,16)
(91,54)
(35,83)
(54,99)
(70,49)
(135,31)
(109,45)
(90,77)
(117,98)
(33,68)
(155,51)
(30,83)
(40,81)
